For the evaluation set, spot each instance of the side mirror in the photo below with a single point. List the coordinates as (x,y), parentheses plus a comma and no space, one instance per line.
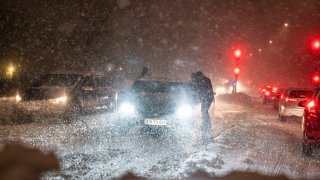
(302,103)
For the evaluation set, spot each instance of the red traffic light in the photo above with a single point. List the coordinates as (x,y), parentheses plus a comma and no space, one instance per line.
(316,44)
(236,70)
(237,53)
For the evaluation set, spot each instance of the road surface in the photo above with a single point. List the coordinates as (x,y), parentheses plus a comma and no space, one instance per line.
(247,136)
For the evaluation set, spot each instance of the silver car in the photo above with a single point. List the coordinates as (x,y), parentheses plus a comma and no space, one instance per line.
(288,103)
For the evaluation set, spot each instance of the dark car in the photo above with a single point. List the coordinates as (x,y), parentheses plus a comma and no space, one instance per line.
(157,104)
(65,94)
(311,123)
(268,93)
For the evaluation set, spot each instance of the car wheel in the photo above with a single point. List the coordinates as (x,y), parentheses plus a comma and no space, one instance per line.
(275,106)
(281,117)
(306,149)
(264,102)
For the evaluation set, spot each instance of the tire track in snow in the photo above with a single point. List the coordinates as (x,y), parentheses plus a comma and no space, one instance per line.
(279,165)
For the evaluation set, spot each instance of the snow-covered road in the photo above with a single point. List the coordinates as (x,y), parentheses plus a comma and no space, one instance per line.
(246,137)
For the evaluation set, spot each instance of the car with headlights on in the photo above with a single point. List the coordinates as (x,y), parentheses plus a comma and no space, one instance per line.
(156,104)
(65,94)
(288,103)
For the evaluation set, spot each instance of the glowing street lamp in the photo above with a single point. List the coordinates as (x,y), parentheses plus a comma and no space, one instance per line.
(10,71)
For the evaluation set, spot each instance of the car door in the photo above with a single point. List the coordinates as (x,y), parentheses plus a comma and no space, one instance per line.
(105,91)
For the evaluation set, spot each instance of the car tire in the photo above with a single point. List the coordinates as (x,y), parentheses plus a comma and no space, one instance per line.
(306,149)
(264,102)
(281,117)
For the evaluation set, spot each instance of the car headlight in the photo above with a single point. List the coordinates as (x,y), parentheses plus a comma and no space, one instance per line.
(18,98)
(62,99)
(184,111)
(127,108)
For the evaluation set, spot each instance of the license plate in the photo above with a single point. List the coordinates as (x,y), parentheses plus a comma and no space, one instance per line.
(33,108)
(155,122)
(90,103)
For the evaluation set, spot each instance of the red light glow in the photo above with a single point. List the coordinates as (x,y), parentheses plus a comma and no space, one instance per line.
(316,44)
(237,53)
(310,105)
(316,78)
(236,70)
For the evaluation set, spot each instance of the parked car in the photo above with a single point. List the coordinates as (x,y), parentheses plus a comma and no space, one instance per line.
(65,94)
(310,123)
(288,104)
(156,104)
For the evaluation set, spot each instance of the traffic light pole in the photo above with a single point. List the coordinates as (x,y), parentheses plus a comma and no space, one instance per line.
(236,76)
(235,85)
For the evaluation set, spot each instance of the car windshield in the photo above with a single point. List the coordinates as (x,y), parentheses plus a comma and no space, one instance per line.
(63,80)
(159,89)
(104,81)
(156,87)
(300,94)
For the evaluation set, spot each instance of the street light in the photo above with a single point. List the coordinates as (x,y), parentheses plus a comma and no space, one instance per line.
(10,71)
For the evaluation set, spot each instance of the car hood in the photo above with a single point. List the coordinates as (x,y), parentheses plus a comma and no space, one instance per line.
(42,93)
(152,105)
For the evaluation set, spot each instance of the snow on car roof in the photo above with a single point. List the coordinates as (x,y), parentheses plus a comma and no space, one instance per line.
(79,72)
(160,79)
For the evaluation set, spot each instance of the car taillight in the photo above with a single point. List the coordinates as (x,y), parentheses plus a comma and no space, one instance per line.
(311,106)
(274,89)
(290,100)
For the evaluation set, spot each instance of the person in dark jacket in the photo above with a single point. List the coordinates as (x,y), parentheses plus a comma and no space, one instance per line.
(203,87)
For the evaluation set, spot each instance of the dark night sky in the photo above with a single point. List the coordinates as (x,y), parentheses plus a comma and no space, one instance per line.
(168,36)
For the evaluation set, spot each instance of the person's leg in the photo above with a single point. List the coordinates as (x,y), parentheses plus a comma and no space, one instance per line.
(206,122)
